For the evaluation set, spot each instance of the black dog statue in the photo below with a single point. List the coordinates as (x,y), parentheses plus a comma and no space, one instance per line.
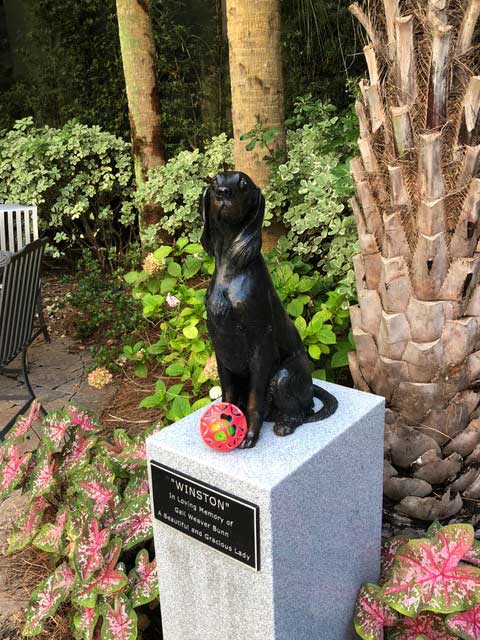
(262,363)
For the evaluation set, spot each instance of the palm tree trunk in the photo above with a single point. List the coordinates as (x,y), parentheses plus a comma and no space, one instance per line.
(139,58)
(256,79)
(417,205)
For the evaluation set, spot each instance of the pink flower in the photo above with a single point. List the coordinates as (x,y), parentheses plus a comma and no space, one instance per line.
(172,301)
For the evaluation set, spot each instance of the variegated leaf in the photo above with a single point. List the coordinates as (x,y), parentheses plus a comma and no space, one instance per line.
(119,621)
(135,457)
(82,419)
(465,624)
(428,626)
(51,534)
(84,594)
(55,429)
(137,486)
(46,599)
(426,574)
(389,551)
(97,487)
(112,577)
(473,555)
(13,469)
(28,525)
(76,454)
(88,555)
(42,478)
(135,522)
(84,622)
(24,423)
(143,580)
(371,614)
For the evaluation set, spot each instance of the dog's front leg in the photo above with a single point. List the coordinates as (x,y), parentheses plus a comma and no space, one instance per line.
(229,393)
(260,371)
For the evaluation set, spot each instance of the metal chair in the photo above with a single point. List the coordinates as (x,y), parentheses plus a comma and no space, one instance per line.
(18,296)
(19,227)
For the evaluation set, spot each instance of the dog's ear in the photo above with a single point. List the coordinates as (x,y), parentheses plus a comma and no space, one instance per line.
(206,238)
(248,244)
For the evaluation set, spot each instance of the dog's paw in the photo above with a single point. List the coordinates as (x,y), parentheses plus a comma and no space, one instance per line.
(284,429)
(250,440)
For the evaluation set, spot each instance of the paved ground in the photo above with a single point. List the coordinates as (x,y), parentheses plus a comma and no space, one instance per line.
(58,373)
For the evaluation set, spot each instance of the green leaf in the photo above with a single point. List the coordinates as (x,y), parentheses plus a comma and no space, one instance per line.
(326,336)
(131,277)
(167,285)
(314,351)
(176,369)
(340,359)
(162,252)
(190,332)
(174,269)
(141,370)
(199,404)
(150,402)
(295,307)
(251,145)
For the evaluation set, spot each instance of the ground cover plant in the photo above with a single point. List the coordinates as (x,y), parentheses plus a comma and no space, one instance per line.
(89,508)
(429,588)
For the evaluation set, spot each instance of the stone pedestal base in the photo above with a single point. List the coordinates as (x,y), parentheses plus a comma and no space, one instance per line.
(270,543)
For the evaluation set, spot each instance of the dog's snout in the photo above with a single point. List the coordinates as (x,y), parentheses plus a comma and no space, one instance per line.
(223,192)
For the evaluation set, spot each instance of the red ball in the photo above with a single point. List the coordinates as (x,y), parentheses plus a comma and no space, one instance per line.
(223,426)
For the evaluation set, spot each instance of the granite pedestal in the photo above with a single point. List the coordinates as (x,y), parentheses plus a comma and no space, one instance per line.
(270,543)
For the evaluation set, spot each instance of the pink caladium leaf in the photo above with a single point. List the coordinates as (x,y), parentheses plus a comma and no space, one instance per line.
(143,580)
(42,478)
(28,525)
(98,488)
(119,621)
(84,622)
(13,469)
(389,552)
(137,486)
(135,457)
(46,599)
(51,535)
(55,429)
(465,624)
(473,555)
(82,419)
(135,522)
(112,577)
(76,454)
(84,594)
(427,626)
(426,574)
(24,423)
(371,614)
(88,555)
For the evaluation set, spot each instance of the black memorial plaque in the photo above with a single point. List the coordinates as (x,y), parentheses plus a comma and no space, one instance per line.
(216,518)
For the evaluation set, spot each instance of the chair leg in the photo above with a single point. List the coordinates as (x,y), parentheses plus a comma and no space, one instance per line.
(10,424)
(41,317)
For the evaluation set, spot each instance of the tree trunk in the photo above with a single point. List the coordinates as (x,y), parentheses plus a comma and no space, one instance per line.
(139,58)
(417,323)
(256,79)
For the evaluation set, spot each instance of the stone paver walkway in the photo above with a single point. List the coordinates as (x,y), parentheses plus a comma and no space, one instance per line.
(58,373)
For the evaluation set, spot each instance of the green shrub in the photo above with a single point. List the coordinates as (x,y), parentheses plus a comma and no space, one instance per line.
(310,190)
(172,288)
(178,186)
(81,179)
(89,508)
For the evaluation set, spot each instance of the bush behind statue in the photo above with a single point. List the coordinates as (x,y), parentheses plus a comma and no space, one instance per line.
(79,176)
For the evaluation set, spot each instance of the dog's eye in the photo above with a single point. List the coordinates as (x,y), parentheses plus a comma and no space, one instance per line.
(243,184)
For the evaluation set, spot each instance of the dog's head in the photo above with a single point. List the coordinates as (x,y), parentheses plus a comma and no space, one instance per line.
(233,204)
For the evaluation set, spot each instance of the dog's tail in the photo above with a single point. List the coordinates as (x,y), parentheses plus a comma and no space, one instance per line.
(330,405)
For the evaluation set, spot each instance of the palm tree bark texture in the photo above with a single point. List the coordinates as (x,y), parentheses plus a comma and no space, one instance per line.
(417,323)
(256,79)
(139,64)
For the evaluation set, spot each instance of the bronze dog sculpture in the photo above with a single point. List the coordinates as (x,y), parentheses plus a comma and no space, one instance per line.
(262,363)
